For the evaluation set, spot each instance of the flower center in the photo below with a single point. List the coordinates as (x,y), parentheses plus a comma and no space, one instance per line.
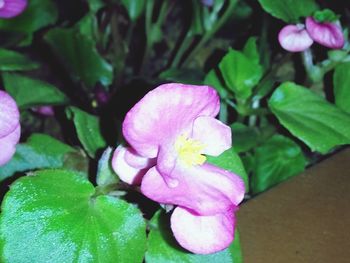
(189,151)
(2,3)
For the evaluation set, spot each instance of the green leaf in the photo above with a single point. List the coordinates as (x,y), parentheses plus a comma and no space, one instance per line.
(213,80)
(88,130)
(341,80)
(290,11)
(40,151)
(251,50)
(79,55)
(13,61)
(326,15)
(135,8)
(244,137)
(105,173)
(38,14)
(278,159)
(162,247)
(240,73)
(229,160)
(309,117)
(21,89)
(54,216)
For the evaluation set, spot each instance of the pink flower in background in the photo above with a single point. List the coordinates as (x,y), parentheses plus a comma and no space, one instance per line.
(326,34)
(296,38)
(10,129)
(170,131)
(46,110)
(12,8)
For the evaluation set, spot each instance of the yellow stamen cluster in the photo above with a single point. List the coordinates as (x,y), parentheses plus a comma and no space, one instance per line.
(189,151)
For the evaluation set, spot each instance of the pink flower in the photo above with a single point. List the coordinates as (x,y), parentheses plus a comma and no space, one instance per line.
(10,129)
(327,34)
(294,38)
(170,131)
(46,111)
(12,8)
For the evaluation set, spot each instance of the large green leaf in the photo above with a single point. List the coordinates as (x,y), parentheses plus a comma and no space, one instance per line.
(229,160)
(162,247)
(289,10)
(40,151)
(341,81)
(79,55)
(21,89)
(12,61)
(276,160)
(88,130)
(53,216)
(38,14)
(309,117)
(240,73)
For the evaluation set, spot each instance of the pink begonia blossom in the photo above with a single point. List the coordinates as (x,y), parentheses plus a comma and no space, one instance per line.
(46,110)
(170,131)
(10,129)
(12,8)
(327,34)
(294,38)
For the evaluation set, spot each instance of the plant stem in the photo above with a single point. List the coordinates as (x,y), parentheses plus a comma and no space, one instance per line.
(210,33)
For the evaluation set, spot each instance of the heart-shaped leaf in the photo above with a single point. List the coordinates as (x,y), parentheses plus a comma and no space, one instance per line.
(53,216)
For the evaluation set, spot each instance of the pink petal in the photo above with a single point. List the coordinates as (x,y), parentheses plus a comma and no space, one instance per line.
(327,34)
(203,234)
(9,115)
(294,38)
(205,189)
(122,164)
(8,145)
(12,8)
(166,112)
(215,135)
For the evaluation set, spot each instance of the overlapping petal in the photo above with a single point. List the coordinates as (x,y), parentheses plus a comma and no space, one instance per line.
(294,38)
(9,115)
(213,134)
(166,112)
(129,166)
(205,189)
(8,145)
(203,234)
(327,34)
(12,8)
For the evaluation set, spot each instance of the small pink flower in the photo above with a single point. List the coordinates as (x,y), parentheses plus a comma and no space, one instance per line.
(327,34)
(46,111)
(10,129)
(170,131)
(294,38)
(12,8)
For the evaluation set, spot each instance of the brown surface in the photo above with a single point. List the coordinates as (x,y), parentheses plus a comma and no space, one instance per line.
(306,219)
